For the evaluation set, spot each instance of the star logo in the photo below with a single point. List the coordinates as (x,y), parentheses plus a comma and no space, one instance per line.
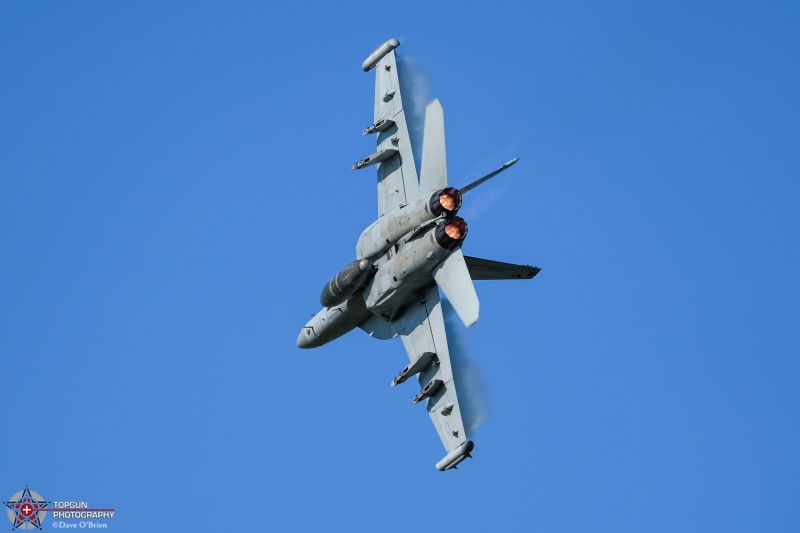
(26,509)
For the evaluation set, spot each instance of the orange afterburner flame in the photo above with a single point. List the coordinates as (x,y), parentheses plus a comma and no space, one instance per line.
(456,228)
(451,233)
(447,201)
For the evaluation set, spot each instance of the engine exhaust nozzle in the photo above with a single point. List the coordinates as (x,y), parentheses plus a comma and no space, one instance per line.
(447,201)
(451,233)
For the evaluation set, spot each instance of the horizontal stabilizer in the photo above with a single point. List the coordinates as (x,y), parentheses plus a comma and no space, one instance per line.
(483,269)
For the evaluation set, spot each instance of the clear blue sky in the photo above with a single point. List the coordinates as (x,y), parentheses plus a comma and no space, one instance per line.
(175,189)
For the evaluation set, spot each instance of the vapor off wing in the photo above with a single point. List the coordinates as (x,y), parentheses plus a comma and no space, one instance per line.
(421,327)
(397,174)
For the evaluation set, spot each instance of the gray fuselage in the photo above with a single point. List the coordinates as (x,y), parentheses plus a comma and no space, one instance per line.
(401,271)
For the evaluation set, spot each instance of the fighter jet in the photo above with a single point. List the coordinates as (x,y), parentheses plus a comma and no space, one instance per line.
(410,252)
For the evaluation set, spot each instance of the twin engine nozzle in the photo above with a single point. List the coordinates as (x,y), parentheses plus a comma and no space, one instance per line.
(454,230)
(447,201)
(388,230)
(451,233)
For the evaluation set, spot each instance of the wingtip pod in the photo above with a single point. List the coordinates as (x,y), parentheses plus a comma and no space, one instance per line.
(378,53)
(452,459)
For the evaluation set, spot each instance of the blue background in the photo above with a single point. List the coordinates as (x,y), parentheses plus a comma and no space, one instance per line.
(175,189)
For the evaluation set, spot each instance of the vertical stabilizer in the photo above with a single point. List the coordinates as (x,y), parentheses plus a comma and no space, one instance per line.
(453,278)
(433,174)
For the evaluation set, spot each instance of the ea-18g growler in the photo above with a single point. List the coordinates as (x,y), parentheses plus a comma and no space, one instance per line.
(407,255)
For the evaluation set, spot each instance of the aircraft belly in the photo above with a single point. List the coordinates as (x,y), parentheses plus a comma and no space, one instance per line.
(390,302)
(390,228)
(397,280)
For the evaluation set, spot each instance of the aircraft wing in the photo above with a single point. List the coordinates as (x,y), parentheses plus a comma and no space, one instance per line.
(488,269)
(422,329)
(398,183)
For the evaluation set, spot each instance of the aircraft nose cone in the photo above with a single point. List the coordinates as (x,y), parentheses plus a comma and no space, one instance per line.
(301,339)
(304,340)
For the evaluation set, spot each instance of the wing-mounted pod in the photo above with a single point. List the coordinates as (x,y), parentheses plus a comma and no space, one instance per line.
(427,391)
(382,124)
(345,283)
(420,364)
(377,157)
